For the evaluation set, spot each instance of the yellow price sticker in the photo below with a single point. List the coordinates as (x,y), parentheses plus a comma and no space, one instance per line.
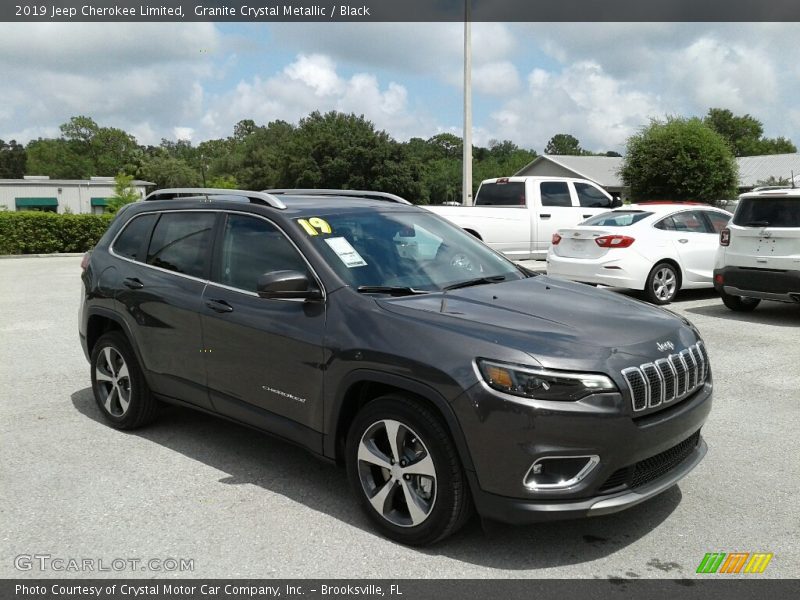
(315,226)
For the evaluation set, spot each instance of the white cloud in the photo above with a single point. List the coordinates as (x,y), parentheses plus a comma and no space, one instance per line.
(145,79)
(581,100)
(496,78)
(312,82)
(723,74)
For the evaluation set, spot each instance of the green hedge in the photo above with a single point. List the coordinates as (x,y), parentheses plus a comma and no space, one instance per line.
(33,232)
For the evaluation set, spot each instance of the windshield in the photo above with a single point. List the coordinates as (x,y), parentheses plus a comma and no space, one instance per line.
(617,218)
(403,249)
(768,212)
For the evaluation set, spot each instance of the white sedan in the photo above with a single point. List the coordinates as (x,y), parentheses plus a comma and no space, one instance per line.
(657,247)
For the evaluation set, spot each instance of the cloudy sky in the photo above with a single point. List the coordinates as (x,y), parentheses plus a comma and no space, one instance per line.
(599,82)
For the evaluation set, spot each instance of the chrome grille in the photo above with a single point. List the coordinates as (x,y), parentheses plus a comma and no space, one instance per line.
(667,379)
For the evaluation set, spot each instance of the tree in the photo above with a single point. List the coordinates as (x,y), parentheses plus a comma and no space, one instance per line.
(124,193)
(744,134)
(58,159)
(679,159)
(12,160)
(564,144)
(167,172)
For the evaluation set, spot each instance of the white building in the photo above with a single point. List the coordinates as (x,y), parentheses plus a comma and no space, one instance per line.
(39,192)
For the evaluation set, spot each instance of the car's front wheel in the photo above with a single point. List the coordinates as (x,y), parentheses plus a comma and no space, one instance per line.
(404,467)
(118,383)
(663,284)
(739,303)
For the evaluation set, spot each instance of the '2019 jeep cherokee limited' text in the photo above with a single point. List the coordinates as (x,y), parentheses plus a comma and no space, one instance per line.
(378,335)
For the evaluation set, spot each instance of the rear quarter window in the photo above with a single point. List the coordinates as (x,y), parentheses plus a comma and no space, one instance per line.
(132,241)
(768,212)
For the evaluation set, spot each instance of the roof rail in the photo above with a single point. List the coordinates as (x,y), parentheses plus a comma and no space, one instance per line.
(385,196)
(210,194)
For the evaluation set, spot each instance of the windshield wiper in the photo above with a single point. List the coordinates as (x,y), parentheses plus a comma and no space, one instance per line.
(392,290)
(477,281)
(757,224)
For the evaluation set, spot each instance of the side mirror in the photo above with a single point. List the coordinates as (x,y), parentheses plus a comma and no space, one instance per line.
(287,284)
(616,202)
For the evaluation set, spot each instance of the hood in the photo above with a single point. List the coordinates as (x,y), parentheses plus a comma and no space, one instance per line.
(559,323)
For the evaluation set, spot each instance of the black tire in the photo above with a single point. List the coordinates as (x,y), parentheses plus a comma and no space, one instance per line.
(738,303)
(663,283)
(141,407)
(449,504)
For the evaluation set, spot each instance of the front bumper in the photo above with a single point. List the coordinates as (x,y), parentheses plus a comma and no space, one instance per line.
(518,512)
(505,438)
(766,284)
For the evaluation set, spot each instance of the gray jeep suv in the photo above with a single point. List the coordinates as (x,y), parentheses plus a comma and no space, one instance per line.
(380,336)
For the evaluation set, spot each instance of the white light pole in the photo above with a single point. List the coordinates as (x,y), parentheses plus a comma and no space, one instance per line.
(467,156)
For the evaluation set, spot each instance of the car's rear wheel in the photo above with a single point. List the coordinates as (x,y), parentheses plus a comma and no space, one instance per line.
(739,303)
(405,470)
(663,284)
(118,383)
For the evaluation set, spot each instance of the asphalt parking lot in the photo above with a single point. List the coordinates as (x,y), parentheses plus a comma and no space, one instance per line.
(241,504)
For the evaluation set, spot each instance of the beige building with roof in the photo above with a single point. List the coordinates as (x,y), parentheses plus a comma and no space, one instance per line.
(79,196)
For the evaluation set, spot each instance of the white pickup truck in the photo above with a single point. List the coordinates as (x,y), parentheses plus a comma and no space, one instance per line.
(519,215)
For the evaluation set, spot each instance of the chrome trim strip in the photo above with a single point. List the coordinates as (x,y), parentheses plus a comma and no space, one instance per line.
(591,463)
(208,281)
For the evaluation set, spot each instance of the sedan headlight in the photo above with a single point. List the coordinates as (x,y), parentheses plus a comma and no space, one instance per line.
(542,384)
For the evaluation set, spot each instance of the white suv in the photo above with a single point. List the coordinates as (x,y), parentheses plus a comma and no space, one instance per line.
(759,254)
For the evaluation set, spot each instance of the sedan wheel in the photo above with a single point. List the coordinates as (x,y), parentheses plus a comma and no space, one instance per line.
(662,284)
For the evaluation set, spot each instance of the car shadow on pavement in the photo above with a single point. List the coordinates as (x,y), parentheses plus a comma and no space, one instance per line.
(779,314)
(251,457)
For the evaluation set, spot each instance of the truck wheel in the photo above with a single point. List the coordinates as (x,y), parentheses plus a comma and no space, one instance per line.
(405,470)
(663,284)
(739,303)
(118,383)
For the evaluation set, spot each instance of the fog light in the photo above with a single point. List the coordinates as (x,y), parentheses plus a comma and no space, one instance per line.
(559,472)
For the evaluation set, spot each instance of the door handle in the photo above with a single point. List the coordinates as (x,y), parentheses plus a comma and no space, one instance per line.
(545,216)
(132,283)
(683,240)
(219,306)
(586,216)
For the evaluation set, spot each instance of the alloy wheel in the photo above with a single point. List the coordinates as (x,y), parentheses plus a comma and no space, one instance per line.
(397,473)
(113,381)
(664,283)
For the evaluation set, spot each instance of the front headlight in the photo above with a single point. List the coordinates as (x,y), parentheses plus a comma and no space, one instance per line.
(542,384)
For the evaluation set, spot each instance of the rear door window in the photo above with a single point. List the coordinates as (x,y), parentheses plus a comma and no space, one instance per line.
(768,212)
(591,197)
(182,242)
(501,194)
(555,193)
(690,221)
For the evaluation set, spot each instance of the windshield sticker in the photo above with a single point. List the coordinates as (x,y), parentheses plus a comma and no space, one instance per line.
(346,253)
(314,225)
